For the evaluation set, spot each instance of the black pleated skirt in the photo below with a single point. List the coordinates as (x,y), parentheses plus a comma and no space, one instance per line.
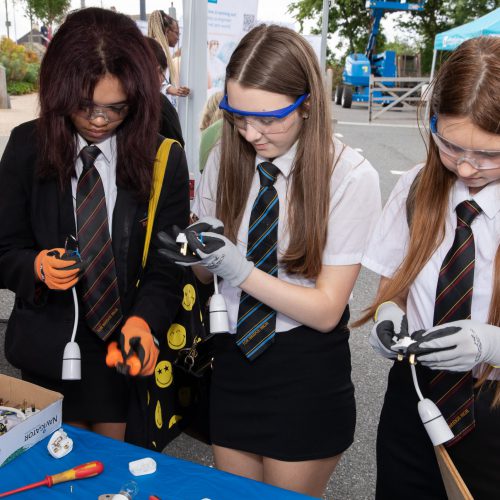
(294,402)
(102,393)
(406,463)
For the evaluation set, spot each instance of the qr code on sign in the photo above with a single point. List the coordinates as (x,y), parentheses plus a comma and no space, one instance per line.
(248,22)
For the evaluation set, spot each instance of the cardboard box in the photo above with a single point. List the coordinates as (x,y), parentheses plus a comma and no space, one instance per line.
(37,426)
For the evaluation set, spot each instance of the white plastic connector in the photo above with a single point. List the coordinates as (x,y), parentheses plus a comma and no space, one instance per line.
(402,345)
(219,322)
(59,444)
(71,369)
(434,422)
(181,239)
(142,467)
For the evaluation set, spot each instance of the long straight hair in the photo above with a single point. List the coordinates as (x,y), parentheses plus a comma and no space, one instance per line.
(466,86)
(91,43)
(277,59)
(158,24)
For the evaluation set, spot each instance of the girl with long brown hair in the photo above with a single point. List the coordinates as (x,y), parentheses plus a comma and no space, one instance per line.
(295,207)
(437,250)
(84,168)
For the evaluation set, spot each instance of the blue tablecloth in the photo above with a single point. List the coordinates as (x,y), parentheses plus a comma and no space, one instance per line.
(174,479)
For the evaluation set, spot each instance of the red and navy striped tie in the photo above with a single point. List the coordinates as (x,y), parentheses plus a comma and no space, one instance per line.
(453,392)
(256,321)
(100,296)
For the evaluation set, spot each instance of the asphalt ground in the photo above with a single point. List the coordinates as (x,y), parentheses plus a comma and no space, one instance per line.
(392,144)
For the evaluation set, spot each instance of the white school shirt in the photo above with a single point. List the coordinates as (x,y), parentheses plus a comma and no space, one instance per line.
(354,207)
(387,247)
(106,166)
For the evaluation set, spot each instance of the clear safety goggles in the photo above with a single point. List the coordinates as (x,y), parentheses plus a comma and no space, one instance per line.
(110,112)
(481,159)
(265,122)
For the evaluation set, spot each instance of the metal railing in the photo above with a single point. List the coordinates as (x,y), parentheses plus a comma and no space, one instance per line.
(398,96)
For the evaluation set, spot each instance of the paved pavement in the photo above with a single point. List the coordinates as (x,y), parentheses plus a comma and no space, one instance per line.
(23,108)
(392,144)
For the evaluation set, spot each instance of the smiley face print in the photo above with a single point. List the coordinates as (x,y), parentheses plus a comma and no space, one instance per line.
(189,297)
(176,336)
(163,374)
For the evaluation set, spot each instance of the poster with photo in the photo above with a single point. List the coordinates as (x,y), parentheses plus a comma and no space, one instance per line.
(228,21)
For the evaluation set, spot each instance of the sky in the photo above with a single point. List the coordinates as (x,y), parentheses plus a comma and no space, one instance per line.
(267,11)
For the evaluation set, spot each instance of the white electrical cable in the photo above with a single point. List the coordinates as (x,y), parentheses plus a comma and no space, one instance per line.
(216,284)
(415,382)
(75,324)
(433,420)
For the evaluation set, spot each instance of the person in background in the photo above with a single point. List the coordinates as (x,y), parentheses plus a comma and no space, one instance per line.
(295,206)
(170,125)
(83,171)
(45,35)
(436,248)
(165,30)
(210,126)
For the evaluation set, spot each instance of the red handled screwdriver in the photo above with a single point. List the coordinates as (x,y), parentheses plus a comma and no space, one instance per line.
(89,469)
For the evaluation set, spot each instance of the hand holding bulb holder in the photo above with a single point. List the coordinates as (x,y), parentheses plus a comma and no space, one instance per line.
(72,359)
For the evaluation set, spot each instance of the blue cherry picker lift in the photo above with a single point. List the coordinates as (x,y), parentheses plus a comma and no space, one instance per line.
(358,67)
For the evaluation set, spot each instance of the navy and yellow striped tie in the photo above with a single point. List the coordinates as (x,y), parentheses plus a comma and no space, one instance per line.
(256,321)
(452,391)
(101,300)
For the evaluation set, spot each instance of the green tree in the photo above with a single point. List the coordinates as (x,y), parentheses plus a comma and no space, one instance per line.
(467,10)
(47,11)
(401,47)
(348,18)
(351,20)
(442,15)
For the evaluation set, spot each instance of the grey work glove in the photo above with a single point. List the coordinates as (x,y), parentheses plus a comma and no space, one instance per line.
(220,256)
(458,346)
(390,326)
(170,249)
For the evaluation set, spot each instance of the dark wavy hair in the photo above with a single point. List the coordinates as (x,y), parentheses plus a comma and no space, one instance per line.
(91,43)
(161,58)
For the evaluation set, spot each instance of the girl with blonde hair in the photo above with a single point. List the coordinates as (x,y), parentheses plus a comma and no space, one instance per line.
(165,30)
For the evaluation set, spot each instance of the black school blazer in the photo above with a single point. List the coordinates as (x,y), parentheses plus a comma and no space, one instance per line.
(37,215)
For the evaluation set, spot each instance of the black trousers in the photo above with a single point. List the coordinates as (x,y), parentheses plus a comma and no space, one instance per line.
(406,462)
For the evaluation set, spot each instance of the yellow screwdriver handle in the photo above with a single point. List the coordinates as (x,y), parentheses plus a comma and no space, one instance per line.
(89,469)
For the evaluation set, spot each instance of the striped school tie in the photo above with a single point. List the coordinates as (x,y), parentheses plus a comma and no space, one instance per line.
(100,297)
(256,321)
(453,392)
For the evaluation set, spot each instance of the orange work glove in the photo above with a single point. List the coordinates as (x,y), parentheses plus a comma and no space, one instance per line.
(57,273)
(114,359)
(136,338)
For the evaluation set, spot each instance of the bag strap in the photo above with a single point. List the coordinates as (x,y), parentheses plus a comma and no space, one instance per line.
(160,166)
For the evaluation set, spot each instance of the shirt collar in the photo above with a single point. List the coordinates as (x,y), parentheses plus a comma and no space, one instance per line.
(107,147)
(284,162)
(488,198)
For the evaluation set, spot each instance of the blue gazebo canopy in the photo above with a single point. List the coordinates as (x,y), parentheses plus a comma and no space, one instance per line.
(486,25)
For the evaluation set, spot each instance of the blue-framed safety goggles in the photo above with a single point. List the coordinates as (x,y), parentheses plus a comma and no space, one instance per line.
(278,113)
(482,159)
